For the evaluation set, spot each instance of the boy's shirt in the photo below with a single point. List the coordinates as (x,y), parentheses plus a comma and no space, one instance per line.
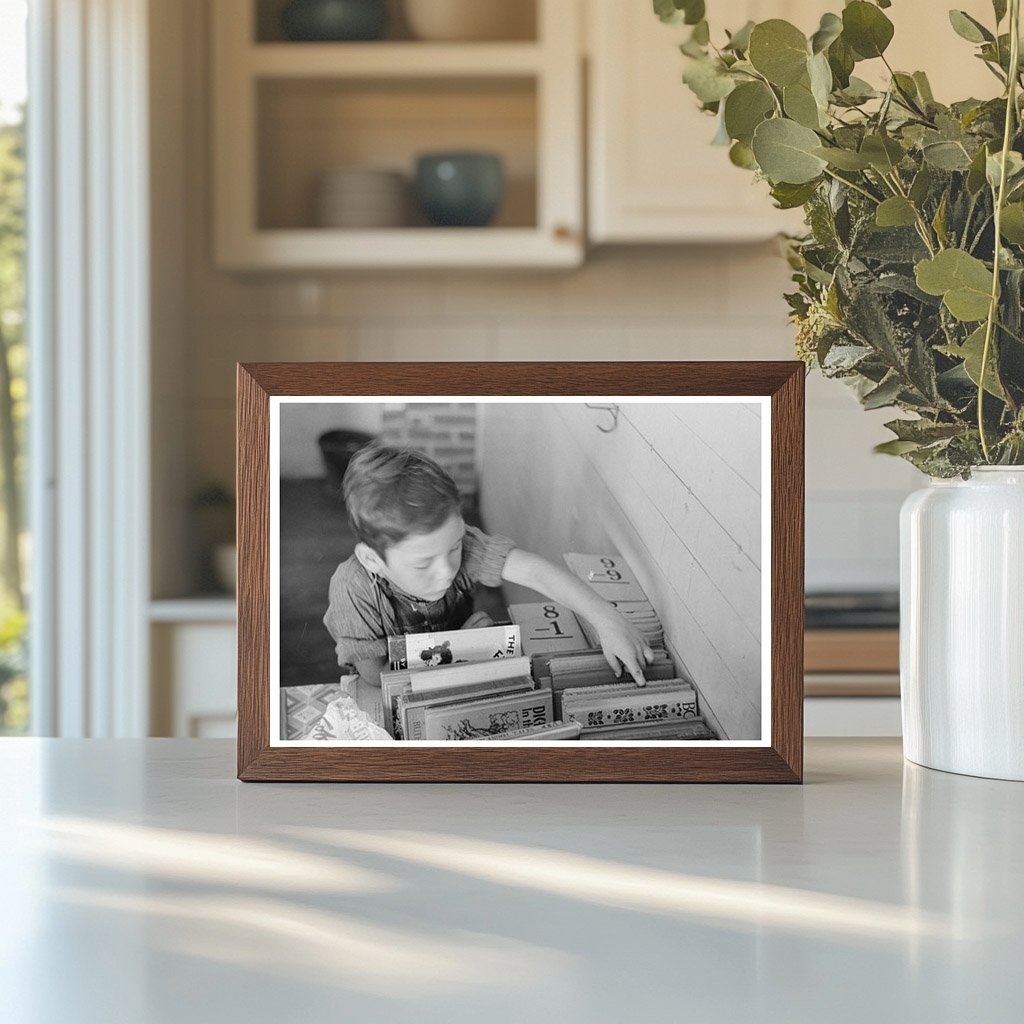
(365,609)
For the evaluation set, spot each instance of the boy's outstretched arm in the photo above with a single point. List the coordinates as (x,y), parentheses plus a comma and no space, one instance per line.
(621,643)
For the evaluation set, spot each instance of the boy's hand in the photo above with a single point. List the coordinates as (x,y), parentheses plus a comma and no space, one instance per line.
(624,647)
(348,683)
(478,620)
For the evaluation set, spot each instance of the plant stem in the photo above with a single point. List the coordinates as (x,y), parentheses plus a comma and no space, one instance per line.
(1011,110)
(1012,334)
(922,225)
(855,187)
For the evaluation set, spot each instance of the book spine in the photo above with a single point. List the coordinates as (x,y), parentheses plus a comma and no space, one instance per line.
(412,706)
(554,731)
(469,673)
(691,729)
(642,705)
(482,718)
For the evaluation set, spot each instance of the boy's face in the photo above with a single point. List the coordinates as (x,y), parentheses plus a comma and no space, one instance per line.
(425,564)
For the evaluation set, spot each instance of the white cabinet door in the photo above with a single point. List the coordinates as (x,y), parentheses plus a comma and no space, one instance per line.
(653,174)
(194,673)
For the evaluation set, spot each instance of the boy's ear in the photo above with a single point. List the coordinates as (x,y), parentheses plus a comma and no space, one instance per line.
(370,560)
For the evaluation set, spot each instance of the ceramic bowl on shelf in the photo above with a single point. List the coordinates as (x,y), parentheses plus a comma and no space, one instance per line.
(361,197)
(468,20)
(334,20)
(460,189)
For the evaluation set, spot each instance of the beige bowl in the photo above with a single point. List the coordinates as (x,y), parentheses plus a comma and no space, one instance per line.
(358,197)
(470,20)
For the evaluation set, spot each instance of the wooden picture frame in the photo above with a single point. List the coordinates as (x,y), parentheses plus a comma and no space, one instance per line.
(775,756)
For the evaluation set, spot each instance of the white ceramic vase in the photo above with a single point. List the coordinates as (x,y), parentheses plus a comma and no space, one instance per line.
(962,624)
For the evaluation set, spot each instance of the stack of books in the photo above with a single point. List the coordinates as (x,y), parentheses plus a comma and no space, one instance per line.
(464,685)
(611,578)
(590,668)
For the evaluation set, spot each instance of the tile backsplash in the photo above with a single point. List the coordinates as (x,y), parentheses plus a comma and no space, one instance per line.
(718,302)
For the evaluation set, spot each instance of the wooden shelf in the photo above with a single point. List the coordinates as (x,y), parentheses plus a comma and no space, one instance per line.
(851,684)
(401,247)
(852,650)
(392,60)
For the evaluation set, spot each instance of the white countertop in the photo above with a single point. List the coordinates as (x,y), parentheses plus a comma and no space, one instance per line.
(143,884)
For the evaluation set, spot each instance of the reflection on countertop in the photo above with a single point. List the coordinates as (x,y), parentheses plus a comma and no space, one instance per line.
(879,890)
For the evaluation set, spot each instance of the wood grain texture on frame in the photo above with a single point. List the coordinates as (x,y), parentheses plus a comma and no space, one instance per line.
(782,761)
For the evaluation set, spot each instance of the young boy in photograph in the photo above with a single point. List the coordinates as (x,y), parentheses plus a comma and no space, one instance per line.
(417,563)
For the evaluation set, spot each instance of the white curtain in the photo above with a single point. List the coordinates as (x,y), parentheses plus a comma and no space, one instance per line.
(88,320)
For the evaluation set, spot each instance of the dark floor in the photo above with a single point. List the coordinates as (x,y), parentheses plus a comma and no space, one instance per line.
(315,539)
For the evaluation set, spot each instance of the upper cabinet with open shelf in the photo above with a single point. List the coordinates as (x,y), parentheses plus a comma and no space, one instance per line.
(293,119)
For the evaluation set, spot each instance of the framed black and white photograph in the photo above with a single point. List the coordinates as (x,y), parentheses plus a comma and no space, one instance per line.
(520,571)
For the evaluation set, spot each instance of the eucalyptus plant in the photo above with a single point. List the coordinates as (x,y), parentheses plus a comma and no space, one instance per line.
(909,279)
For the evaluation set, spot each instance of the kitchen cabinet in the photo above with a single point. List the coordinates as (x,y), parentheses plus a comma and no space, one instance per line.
(286,113)
(653,175)
(193,656)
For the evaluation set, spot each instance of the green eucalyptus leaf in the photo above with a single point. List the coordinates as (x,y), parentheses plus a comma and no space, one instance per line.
(701,33)
(844,159)
(841,60)
(694,11)
(784,151)
(946,156)
(788,196)
(707,80)
(739,41)
(742,155)
(778,50)
(1011,225)
(963,281)
(895,447)
(994,168)
(820,75)
(866,29)
(976,174)
(971,352)
(668,12)
(895,212)
(676,12)
(906,87)
(999,7)
(745,108)
(969,28)
(721,136)
(924,88)
(829,30)
(939,220)
(883,153)
(744,67)
(858,91)
(923,431)
(800,105)
(885,394)
(921,185)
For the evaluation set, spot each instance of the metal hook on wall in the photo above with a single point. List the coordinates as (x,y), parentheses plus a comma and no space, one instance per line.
(613,409)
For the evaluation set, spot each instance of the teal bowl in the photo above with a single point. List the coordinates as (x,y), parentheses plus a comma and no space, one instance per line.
(332,21)
(460,189)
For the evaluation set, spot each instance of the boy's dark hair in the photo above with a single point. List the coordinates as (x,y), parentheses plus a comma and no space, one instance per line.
(391,493)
